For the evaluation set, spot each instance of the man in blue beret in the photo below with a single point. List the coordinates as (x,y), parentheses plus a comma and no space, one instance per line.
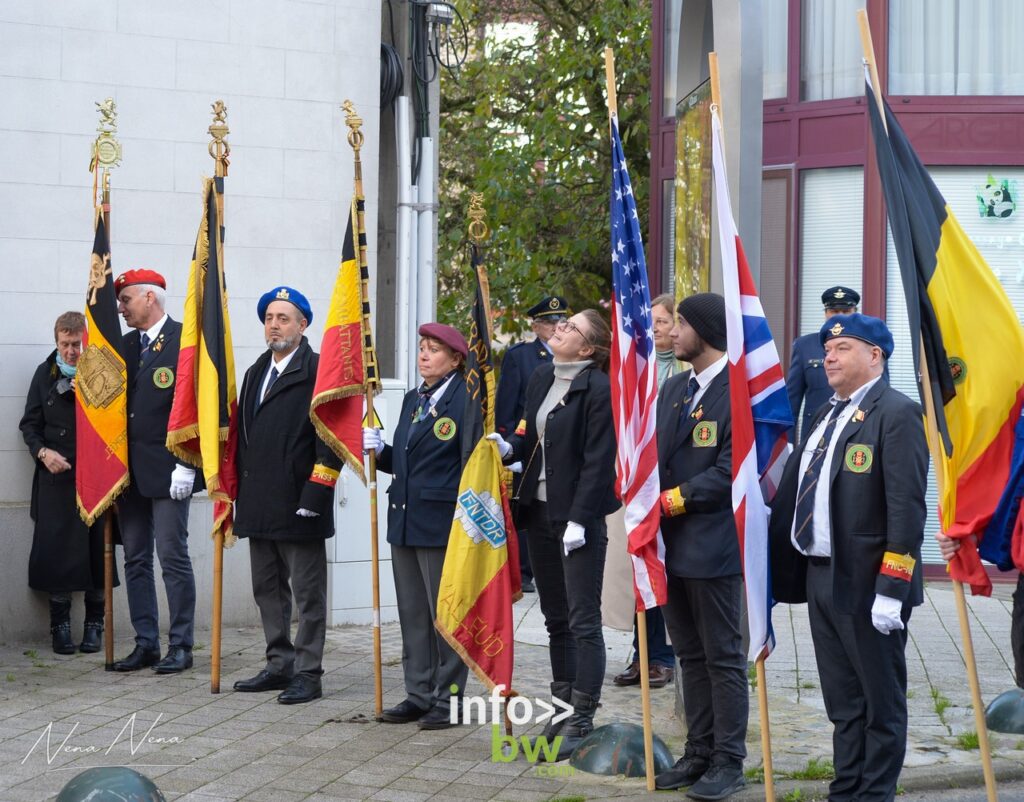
(517,366)
(286,478)
(846,530)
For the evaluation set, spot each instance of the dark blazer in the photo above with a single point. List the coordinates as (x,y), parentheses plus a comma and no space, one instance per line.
(579,447)
(806,382)
(150,395)
(517,367)
(702,542)
(873,510)
(277,451)
(425,462)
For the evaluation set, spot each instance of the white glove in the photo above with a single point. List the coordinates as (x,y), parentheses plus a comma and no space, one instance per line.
(504,449)
(516,467)
(302,512)
(182,479)
(573,538)
(885,614)
(372,440)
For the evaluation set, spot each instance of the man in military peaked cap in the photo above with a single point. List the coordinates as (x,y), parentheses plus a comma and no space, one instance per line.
(806,382)
(517,366)
(154,510)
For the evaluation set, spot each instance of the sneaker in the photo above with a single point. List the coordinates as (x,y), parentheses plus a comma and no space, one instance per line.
(687,770)
(718,782)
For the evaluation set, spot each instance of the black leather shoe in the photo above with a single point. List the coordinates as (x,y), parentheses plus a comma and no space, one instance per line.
(302,688)
(92,637)
(687,770)
(631,676)
(178,658)
(403,713)
(138,659)
(437,718)
(264,681)
(718,782)
(62,643)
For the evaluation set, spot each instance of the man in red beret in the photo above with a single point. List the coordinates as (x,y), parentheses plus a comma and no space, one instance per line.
(154,510)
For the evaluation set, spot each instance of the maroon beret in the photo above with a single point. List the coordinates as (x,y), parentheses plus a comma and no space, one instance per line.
(142,276)
(451,337)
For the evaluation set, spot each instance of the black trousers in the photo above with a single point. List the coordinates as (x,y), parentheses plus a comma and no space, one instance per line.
(864,684)
(703,619)
(1017,631)
(569,588)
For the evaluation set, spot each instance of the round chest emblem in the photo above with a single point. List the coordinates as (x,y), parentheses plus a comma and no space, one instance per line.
(958,368)
(444,429)
(163,378)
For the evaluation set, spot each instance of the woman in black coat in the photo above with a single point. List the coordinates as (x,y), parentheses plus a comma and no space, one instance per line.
(66,554)
(566,441)
(425,463)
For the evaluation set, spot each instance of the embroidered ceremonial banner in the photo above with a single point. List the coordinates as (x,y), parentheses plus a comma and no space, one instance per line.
(101,398)
(202,429)
(348,362)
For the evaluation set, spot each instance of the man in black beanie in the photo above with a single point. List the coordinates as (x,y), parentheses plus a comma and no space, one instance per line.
(702,555)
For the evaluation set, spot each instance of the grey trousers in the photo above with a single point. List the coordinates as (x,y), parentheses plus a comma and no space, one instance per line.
(280,570)
(162,522)
(430,665)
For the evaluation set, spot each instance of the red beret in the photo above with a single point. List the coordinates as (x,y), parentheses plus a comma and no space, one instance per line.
(142,276)
(446,334)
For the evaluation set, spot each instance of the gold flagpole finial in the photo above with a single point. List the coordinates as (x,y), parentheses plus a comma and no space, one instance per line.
(106,150)
(219,148)
(478,229)
(354,122)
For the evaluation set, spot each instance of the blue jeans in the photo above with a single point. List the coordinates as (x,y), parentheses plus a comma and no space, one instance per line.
(659,650)
(569,588)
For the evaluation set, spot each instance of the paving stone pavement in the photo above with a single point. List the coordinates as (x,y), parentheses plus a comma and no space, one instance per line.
(61,715)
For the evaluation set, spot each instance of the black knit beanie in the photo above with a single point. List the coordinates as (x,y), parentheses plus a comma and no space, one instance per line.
(705,311)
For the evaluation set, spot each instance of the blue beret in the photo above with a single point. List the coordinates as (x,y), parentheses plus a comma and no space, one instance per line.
(294,297)
(862,327)
(553,305)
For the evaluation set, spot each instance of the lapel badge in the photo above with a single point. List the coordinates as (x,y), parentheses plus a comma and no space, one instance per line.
(858,416)
(698,413)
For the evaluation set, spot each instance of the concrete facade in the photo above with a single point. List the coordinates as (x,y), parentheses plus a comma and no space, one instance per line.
(283,68)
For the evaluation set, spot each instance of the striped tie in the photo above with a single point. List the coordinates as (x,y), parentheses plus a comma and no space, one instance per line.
(144,342)
(809,481)
(692,386)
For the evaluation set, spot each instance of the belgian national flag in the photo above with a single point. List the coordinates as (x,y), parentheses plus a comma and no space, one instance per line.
(101,400)
(964,327)
(202,429)
(479,417)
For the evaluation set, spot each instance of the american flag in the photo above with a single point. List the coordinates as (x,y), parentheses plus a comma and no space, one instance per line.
(761,414)
(634,382)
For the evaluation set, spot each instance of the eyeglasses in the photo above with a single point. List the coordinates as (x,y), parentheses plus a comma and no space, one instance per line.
(568,325)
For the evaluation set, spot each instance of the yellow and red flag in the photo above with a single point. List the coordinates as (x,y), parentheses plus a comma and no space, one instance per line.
(963,325)
(101,398)
(481,578)
(202,429)
(348,362)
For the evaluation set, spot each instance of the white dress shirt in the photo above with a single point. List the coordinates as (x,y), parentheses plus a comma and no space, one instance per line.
(281,365)
(706,376)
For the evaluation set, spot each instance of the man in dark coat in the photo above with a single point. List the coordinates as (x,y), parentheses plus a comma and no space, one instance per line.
(806,383)
(846,530)
(154,510)
(517,366)
(705,582)
(286,478)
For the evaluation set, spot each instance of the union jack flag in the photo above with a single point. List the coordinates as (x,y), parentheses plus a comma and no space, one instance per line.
(634,382)
(761,414)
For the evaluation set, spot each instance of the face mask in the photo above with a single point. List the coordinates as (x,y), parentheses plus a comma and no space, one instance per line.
(65,368)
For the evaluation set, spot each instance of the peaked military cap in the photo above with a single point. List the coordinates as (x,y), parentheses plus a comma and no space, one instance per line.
(840,297)
(553,305)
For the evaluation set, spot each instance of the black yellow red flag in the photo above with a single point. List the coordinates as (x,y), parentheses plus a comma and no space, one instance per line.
(202,429)
(101,383)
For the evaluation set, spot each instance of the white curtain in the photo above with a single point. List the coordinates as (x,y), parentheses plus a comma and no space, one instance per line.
(830,64)
(775,30)
(956,47)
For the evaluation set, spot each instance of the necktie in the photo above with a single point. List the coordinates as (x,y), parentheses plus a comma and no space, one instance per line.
(144,342)
(691,390)
(805,494)
(273,378)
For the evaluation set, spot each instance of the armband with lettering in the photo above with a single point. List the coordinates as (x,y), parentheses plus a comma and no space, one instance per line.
(324,475)
(673,503)
(898,566)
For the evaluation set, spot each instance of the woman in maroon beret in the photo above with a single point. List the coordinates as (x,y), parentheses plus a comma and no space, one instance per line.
(426,465)
(566,441)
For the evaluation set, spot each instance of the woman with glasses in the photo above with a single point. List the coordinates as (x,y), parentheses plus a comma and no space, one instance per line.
(425,464)
(566,443)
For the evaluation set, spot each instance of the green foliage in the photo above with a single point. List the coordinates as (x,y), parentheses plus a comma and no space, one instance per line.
(752,674)
(755,775)
(967,740)
(817,769)
(11,677)
(527,126)
(796,795)
(940,702)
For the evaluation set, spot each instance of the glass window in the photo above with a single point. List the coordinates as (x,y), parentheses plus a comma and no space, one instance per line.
(831,237)
(830,50)
(775,29)
(668,237)
(673,13)
(977,197)
(949,47)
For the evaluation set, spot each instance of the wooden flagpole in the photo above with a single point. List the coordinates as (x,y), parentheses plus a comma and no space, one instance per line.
(355,140)
(762,684)
(106,154)
(935,447)
(641,618)
(219,150)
